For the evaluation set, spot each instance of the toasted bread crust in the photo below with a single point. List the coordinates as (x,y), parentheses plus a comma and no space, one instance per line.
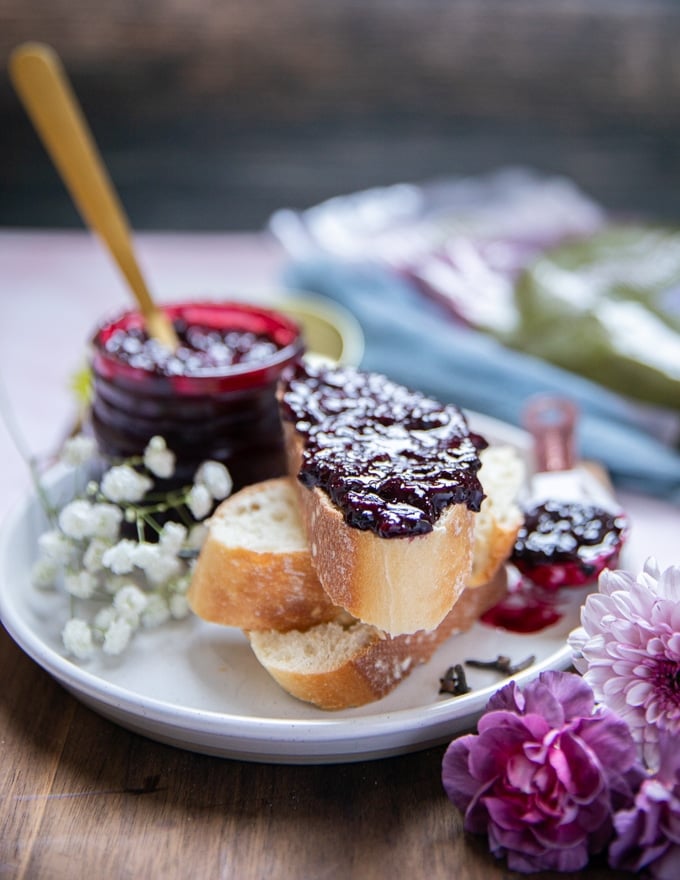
(400,585)
(285,594)
(255,571)
(236,585)
(371,664)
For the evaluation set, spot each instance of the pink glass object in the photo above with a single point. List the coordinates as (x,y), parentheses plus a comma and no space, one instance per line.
(573,527)
(205,408)
(551,421)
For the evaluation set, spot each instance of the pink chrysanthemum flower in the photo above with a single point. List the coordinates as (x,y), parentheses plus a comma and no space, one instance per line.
(628,650)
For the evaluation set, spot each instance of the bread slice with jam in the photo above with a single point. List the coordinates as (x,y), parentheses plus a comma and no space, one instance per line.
(388,488)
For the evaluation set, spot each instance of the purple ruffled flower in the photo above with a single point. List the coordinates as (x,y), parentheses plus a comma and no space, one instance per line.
(544,774)
(648,834)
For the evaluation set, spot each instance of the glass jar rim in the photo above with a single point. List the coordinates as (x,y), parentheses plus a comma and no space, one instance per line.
(218,314)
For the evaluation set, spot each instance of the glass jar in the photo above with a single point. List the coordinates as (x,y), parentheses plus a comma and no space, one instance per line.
(213,399)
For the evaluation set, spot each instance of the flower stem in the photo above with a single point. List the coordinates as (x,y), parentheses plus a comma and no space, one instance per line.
(22,448)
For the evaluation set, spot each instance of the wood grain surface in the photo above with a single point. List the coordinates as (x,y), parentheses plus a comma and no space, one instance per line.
(82,798)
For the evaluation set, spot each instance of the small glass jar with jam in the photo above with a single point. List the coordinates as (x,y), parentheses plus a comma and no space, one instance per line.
(212,398)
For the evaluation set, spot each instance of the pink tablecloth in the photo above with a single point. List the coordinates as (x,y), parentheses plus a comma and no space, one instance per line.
(54,287)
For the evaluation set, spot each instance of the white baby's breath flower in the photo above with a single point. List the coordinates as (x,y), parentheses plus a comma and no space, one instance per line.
(56,547)
(180,584)
(44,573)
(80,584)
(106,520)
(199,501)
(122,483)
(129,602)
(78,450)
(117,636)
(114,582)
(179,606)
(158,458)
(146,582)
(157,564)
(93,557)
(216,479)
(75,519)
(172,537)
(77,638)
(144,554)
(197,536)
(156,612)
(121,557)
(103,620)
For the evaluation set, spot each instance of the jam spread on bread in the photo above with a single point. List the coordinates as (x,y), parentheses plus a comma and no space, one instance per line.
(391,459)
(557,535)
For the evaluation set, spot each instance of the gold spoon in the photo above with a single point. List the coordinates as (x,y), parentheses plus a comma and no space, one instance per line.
(44,89)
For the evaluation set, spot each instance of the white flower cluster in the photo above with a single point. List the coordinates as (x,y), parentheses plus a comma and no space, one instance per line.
(116,584)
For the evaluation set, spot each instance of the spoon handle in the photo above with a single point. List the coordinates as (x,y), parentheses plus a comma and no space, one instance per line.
(44,89)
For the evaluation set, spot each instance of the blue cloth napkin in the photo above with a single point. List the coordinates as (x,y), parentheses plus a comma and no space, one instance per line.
(410,339)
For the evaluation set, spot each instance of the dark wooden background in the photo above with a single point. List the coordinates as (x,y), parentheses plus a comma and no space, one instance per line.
(213,114)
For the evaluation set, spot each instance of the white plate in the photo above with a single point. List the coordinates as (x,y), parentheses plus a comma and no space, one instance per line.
(198,686)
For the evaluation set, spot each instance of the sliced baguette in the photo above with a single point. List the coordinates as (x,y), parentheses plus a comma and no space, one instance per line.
(343,430)
(254,570)
(340,666)
(400,585)
(503,474)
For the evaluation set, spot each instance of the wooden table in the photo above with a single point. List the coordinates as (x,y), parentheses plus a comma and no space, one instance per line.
(82,798)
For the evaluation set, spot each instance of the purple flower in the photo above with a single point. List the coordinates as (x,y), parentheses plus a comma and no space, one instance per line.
(544,774)
(648,834)
(628,650)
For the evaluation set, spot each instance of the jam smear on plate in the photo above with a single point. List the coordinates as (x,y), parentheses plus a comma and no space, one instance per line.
(526,609)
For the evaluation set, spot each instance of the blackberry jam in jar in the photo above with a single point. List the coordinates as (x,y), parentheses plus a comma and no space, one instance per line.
(212,398)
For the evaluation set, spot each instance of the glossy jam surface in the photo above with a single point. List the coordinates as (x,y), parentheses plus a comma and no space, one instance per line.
(391,459)
(202,349)
(568,543)
(225,346)
(213,398)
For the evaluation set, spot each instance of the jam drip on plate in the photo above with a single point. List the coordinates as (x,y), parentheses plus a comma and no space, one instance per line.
(391,459)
